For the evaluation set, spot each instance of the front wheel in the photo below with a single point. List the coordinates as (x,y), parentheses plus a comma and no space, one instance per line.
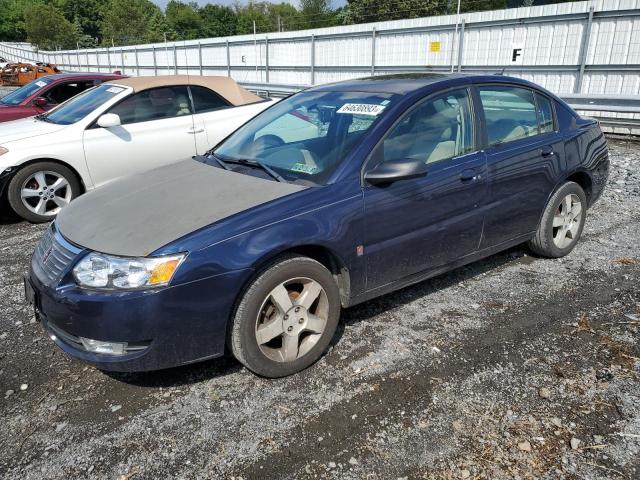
(286,318)
(39,191)
(562,222)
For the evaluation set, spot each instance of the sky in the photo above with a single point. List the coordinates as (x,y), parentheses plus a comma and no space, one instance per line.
(163,3)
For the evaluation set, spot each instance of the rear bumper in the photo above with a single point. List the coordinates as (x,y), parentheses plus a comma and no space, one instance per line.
(169,326)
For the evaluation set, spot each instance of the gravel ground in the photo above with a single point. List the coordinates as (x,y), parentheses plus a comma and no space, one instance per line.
(513,367)
(5,90)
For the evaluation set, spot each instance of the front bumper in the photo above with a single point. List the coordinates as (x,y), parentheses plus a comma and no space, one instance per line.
(176,324)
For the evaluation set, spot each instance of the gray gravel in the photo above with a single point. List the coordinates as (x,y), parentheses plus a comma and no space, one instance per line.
(5,90)
(513,367)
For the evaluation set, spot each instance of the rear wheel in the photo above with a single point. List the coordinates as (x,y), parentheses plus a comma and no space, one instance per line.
(286,318)
(562,222)
(39,191)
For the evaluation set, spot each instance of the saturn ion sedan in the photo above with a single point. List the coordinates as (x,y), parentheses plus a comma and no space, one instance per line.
(256,247)
(122,127)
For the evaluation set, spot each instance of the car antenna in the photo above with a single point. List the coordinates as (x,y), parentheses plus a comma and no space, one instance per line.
(501,72)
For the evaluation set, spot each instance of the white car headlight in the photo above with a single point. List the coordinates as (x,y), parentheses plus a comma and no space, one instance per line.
(3,150)
(97,270)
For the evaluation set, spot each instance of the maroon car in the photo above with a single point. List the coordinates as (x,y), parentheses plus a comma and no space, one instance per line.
(45,93)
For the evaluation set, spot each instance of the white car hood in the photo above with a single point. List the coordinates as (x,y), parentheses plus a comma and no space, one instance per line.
(26,128)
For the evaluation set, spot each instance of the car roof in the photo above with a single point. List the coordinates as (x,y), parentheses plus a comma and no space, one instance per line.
(223,86)
(96,75)
(406,83)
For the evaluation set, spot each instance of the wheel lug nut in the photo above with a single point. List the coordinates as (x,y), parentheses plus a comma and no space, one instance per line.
(286,317)
(290,329)
(301,321)
(297,309)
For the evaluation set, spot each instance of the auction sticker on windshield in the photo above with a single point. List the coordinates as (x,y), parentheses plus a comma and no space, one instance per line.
(361,109)
(41,83)
(115,89)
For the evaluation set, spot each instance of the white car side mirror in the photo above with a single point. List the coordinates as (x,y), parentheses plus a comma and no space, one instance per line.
(109,120)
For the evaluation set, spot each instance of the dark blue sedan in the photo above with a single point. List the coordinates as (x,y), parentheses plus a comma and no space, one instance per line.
(331,197)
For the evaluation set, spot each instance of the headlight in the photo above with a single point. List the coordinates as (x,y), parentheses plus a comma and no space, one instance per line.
(3,150)
(97,270)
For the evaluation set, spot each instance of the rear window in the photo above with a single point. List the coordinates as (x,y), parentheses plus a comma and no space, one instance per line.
(546,113)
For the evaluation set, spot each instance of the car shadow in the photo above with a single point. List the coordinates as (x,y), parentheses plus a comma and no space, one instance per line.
(7,216)
(222,366)
(180,376)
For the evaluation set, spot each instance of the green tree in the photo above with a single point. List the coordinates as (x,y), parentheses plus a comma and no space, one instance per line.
(127,22)
(88,14)
(184,20)
(363,11)
(12,26)
(47,28)
(317,13)
(285,16)
(218,21)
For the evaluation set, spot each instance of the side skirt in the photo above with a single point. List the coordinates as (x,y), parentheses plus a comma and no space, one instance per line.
(430,273)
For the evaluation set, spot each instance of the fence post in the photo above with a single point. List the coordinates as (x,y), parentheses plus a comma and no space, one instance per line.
(175,59)
(228,59)
(109,59)
(584,50)
(135,56)
(460,45)
(78,56)
(313,59)
(155,62)
(266,59)
(200,57)
(373,51)
(122,59)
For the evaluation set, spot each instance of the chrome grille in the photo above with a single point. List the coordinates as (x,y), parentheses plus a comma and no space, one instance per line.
(52,257)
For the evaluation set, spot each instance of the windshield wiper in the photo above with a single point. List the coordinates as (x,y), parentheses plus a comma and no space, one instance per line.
(207,159)
(256,163)
(43,118)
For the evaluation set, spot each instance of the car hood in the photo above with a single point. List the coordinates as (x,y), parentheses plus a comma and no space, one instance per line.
(136,215)
(26,128)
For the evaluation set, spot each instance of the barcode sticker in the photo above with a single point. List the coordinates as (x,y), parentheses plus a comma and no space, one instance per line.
(361,109)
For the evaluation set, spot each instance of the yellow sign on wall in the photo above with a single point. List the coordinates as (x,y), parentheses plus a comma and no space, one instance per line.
(434,47)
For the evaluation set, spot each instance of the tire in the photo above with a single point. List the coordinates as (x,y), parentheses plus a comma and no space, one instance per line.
(268,307)
(62,187)
(562,222)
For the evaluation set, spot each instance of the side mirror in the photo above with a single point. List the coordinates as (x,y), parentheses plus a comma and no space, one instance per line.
(109,120)
(41,102)
(394,170)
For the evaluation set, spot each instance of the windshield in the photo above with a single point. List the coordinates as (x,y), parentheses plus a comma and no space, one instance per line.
(18,96)
(305,137)
(81,105)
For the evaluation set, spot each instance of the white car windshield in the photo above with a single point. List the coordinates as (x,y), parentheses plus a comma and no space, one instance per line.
(305,137)
(81,105)
(18,96)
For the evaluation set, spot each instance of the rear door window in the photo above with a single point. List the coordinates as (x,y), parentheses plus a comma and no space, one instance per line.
(205,100)
(154,104)
(510,113)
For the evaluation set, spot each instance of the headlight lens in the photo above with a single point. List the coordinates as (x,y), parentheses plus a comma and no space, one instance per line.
(97,270)
(3,150)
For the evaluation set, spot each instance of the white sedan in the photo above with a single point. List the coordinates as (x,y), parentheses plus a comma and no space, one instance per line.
(118,128)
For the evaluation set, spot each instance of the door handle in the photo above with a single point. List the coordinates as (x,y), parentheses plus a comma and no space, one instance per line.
(194,131)
(547,151)
(470,175)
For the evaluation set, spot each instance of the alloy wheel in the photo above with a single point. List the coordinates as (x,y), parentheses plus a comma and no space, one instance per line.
(566,221)
(292,319)
(45,193)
